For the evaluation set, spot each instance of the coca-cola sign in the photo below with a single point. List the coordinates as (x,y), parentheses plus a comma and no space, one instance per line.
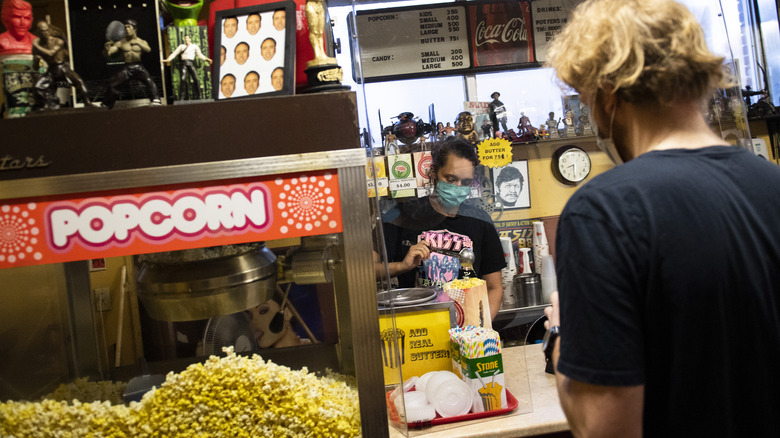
(511,31)
(501,33)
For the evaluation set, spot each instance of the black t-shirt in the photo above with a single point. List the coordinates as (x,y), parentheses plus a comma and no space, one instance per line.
(669,276)
(414,220)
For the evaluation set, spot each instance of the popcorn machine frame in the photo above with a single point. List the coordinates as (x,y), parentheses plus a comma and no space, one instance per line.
(230,154)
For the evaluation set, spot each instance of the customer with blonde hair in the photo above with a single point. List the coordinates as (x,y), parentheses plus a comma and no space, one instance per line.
(669,316)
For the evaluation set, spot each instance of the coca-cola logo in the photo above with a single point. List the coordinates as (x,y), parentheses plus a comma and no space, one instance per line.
(511,31)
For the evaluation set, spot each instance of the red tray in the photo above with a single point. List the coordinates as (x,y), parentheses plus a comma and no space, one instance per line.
(511,402)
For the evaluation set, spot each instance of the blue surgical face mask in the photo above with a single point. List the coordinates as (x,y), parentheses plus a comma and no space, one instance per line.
(607,145)
(450,195)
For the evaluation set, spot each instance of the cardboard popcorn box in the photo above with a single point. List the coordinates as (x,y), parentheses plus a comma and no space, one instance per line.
(485,375)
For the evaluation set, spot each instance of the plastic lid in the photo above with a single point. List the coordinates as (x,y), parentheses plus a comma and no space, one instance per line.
(449,395)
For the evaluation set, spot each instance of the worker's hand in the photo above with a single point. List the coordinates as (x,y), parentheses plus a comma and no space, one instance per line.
(553,312)
(417,253)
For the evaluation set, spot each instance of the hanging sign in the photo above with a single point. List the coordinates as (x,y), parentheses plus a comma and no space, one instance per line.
(398,41)
(267,208)
(453,38)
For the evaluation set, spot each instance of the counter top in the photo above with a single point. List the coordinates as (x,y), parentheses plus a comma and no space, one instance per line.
(538,411)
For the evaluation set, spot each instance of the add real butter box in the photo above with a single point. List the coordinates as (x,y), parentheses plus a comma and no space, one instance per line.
(485,375)
(419,341)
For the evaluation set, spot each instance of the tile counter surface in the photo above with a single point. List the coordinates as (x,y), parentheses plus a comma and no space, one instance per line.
(538,411)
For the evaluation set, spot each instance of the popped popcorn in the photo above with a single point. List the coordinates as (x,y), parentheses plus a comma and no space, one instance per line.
(233,396)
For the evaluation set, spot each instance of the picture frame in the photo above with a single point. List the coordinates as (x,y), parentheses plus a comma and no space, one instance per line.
(252,55)
(505,191)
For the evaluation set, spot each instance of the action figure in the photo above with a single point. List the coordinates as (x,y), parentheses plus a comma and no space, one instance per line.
(497,112)
(585,120)
(541,133)
(552,125)
(465,124)
(524,126)
(131,47)
(568,121)
(50,46)
(486,128)
(188,70)
(449,130)
(17,17)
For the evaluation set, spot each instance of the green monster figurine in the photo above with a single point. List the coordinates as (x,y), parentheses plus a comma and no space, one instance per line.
(184,12)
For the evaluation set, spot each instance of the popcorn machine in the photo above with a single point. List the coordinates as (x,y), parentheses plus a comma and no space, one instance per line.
(166,180)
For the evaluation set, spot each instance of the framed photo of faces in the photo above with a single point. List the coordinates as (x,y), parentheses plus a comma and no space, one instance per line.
(510,186)
(254,51)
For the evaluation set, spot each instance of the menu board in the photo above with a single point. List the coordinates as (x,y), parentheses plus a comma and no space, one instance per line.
(449,38)
(397,42)
(549,18)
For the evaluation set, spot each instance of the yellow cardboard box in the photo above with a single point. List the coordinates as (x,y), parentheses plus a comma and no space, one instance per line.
(419,343)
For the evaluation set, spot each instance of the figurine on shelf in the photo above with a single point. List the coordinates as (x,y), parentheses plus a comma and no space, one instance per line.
(17,18)
(587,129)
(184,13)
(552,125)
(449,130)
(497,112)
(524,126)
(50,47)
(124,40)
(323,72)
(568,121)
(486,128)
(541,133)
(465,124)
(188,70)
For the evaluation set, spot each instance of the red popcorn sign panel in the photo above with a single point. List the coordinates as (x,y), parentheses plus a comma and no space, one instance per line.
(268,208)
(501,33)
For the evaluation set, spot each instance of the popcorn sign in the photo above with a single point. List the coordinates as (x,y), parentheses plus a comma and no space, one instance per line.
(270,208)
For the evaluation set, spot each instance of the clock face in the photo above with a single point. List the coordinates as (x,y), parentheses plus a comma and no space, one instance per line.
(571,165)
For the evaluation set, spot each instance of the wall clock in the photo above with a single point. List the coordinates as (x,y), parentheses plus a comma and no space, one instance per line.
(570,165)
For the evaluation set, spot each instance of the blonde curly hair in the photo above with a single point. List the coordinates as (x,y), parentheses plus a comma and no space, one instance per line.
(646,51)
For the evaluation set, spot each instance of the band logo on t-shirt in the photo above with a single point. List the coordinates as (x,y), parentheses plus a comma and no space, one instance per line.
(441,268)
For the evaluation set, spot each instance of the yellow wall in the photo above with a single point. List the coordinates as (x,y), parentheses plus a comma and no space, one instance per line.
(548,195)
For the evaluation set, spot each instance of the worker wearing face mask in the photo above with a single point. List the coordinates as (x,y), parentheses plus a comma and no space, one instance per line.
(416,230)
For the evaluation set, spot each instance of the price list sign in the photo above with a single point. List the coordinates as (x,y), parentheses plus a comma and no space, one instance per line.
(407,42)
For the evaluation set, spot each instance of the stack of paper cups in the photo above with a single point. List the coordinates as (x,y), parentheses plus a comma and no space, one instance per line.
(508,273)
(549,279)
(541,247)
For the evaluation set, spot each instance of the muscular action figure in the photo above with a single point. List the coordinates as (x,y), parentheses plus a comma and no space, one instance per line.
(188,52)
(50,46)
(131,47)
